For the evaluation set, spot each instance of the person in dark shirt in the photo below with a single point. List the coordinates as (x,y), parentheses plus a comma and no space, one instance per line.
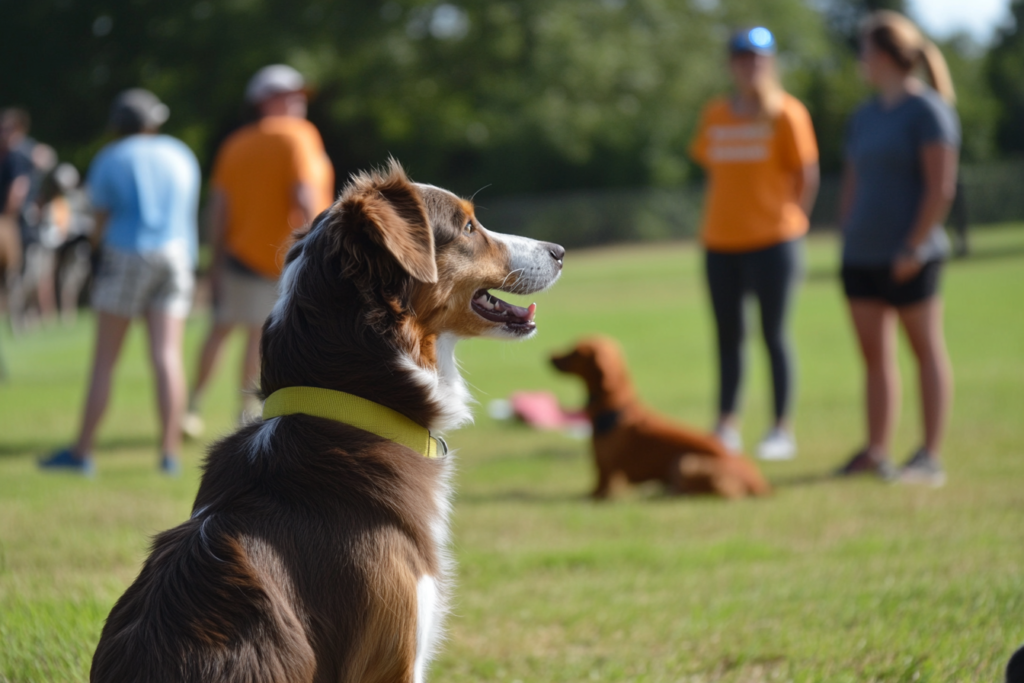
(15,181)
(899,182)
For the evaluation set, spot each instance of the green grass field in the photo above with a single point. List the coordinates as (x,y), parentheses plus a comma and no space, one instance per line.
(825,581)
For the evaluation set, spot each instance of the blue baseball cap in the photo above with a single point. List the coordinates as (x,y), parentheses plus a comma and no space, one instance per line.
(758,40)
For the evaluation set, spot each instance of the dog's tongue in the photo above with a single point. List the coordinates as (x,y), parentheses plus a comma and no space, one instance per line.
(518,311)
(493,306)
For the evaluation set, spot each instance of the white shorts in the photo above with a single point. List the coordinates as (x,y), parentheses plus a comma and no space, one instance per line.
(131,284)
(244,298)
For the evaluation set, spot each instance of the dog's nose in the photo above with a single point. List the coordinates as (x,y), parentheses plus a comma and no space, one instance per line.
(557,251)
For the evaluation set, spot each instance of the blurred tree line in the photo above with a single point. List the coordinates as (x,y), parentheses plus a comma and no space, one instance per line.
(523,95)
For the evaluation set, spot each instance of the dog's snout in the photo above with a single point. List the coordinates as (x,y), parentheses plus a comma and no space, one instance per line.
(557,251)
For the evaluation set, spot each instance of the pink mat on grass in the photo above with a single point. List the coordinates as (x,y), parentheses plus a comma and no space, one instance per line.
(540,409)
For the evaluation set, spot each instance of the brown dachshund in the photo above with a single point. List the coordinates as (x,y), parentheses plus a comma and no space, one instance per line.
(634,444)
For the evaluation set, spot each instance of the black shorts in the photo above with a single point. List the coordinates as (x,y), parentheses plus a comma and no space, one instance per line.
(875,282)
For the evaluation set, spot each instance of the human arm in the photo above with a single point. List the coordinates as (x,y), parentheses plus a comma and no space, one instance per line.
(304,200)
(847,191)
(939,163)
(808,179)
(799,152)
(101,218)
(15,198)
(313,179)
(218,214)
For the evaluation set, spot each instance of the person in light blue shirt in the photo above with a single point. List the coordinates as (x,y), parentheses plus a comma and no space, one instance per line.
(144,188)
(149,186)
(901,158)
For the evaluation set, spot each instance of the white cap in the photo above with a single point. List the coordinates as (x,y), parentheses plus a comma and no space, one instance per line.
(273,80)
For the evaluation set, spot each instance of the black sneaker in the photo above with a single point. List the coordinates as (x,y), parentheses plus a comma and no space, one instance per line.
(862,463)
(923,469)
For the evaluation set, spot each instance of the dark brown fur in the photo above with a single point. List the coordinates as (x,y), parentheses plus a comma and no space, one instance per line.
(308,536)
(634,444)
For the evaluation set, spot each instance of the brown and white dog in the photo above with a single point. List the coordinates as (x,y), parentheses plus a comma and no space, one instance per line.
(317,551)
(634,444)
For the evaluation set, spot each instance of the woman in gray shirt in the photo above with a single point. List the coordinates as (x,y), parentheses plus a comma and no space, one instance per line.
(900,178)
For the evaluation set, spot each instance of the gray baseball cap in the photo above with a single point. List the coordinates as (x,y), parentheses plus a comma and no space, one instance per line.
(272,80)
(137,110)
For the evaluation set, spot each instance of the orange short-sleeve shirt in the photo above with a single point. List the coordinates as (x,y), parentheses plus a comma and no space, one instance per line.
(257,169)
(751,164)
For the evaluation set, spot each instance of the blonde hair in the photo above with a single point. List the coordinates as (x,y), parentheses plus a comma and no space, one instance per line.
(903,42)
(770,94)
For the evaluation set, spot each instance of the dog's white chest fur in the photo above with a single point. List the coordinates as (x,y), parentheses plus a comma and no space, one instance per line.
(432,591)
(428,623)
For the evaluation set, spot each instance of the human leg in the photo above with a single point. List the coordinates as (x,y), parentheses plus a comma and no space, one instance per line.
(110,333)
(775,274)
(874,322)
(726,286)
(120,285)
(46,286)
(166,332)
(251,369)
(922,323)
(208,357)
(246,300)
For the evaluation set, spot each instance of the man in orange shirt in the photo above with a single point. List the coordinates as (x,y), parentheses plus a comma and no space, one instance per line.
(269,178)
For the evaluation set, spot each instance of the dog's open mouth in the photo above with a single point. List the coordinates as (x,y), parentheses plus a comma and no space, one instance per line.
(515,318)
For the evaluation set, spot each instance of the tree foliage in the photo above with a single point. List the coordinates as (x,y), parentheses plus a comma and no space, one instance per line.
(1006,77)
(530,95)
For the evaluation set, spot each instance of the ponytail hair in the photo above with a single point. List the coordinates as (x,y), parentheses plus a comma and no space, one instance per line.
(900,39)
(938,72)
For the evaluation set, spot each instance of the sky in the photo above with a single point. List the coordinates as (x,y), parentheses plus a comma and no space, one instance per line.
(941,18)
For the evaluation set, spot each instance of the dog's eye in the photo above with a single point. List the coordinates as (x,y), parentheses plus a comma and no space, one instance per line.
(469,227)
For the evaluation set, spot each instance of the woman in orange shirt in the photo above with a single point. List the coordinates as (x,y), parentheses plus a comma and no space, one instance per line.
(759,151)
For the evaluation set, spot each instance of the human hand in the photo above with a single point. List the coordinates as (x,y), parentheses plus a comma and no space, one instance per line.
(905,267)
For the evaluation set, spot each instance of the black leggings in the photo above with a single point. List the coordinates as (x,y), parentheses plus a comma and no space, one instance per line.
(771,275)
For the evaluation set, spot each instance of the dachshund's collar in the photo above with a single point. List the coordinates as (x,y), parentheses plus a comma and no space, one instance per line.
(357,412)
(606,421)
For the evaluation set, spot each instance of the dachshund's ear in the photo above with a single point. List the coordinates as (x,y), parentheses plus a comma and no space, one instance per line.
(610,366)
(383,216)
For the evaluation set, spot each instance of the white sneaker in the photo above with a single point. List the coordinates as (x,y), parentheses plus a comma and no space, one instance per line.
(778,444)
(730,438)
(192,425)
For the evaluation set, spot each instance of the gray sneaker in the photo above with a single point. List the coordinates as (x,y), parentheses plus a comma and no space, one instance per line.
(862,462)
(924,469)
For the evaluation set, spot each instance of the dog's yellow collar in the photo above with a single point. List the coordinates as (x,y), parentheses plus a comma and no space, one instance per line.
(358,412)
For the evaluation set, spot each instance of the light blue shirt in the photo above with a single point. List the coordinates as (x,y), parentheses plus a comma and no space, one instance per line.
(150,186)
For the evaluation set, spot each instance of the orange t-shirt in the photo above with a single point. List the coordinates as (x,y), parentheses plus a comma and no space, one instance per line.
(257,169)
(751,164)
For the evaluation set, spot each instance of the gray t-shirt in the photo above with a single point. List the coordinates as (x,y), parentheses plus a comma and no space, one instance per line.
(884,146)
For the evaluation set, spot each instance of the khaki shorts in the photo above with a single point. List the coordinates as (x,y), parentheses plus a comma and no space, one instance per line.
(131,284)
(245,299)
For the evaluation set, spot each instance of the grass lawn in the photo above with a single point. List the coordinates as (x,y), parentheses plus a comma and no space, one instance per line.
(824,581)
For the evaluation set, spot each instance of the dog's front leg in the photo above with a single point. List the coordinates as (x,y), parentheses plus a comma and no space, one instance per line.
(609,481)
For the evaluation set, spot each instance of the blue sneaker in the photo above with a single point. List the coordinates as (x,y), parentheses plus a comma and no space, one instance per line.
(65,460)
(170,466)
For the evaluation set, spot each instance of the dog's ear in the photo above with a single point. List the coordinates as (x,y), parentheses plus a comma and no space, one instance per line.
(610,366)
(387,210)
